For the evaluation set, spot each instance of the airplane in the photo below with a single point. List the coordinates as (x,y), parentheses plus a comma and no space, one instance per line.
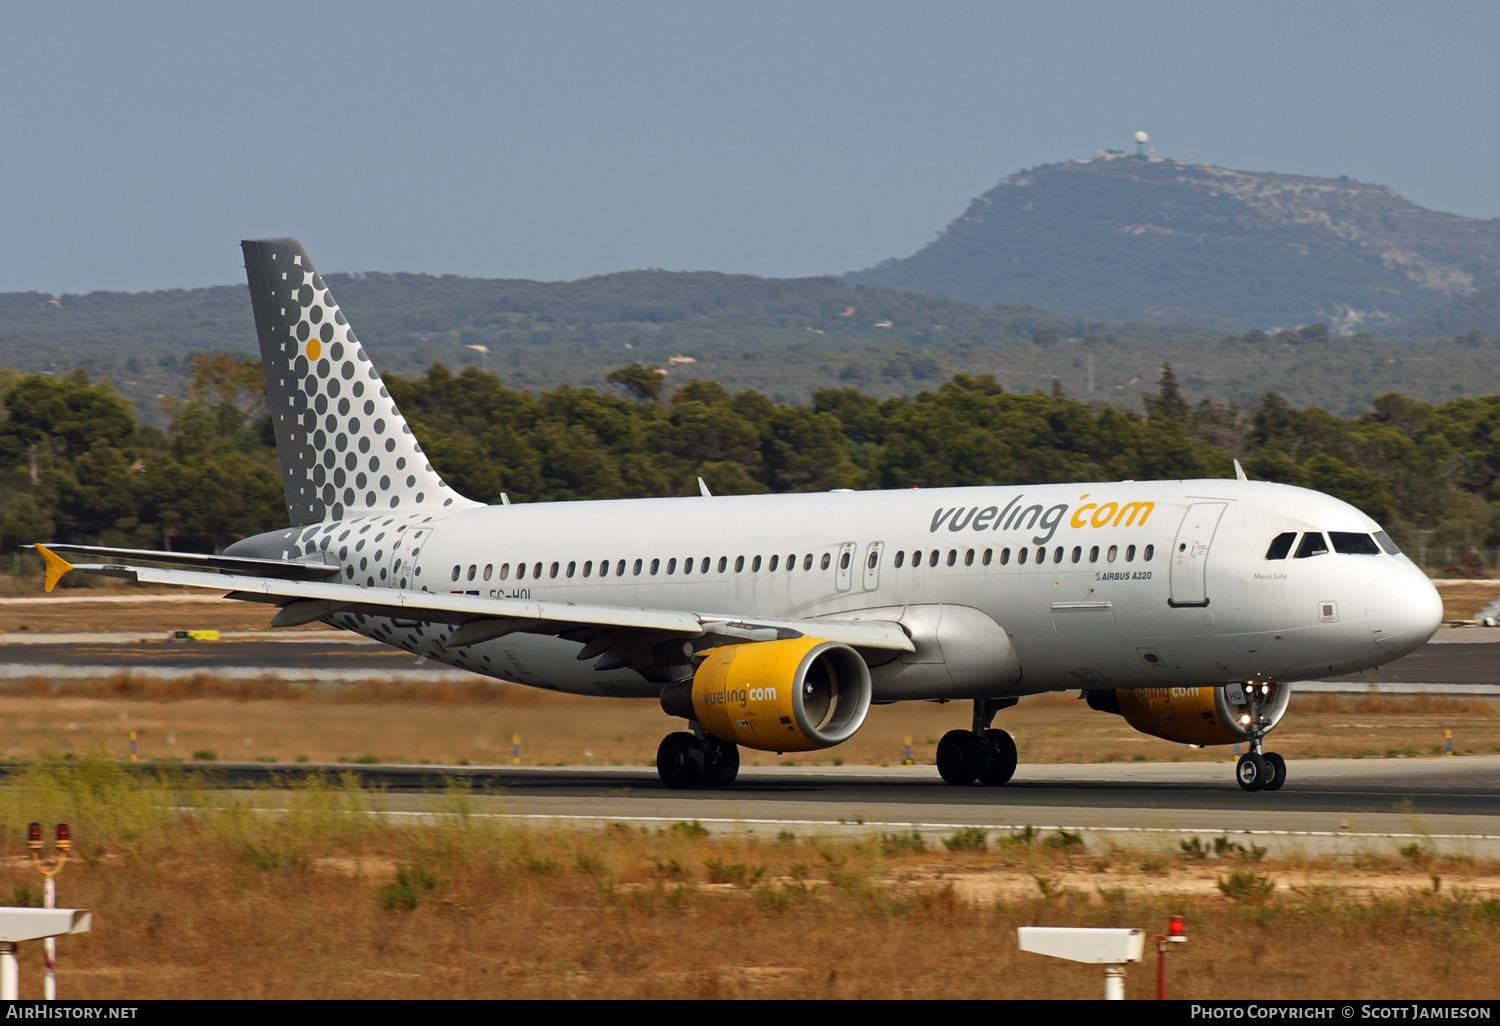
(774,622)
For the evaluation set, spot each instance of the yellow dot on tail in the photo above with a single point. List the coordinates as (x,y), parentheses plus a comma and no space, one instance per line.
(314,348)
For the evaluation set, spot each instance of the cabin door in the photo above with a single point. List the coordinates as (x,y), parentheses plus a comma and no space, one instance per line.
(1190,554)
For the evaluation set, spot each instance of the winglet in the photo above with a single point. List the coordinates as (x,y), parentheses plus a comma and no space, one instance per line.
(1239,472)
(57,567)
(703,488)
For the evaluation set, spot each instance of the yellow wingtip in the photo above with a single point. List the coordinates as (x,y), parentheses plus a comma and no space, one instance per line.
(57,567)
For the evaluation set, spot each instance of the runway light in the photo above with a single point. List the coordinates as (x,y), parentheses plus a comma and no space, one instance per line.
(34,837)
(1177,929)
(64,840)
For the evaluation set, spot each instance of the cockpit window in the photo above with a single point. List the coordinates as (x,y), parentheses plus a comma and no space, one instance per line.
(1312,545)
(1352,544)
(1281,545)
(1390,547)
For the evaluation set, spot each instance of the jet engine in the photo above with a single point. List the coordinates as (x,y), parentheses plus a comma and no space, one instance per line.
(1197,716)
(793,695)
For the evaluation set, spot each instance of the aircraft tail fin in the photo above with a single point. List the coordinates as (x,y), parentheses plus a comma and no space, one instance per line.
(345,449)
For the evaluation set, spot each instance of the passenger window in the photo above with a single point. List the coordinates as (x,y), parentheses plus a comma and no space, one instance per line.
(755,565)
(603,568)
(827,560)
(989,554)
(774,561)
(473,569)
(1130,553)
(1281,545)
(723,563)
(637,568)
(1077,553)
(969,558)
(572,566)
(1094,554)
(1113,551)
(1386,543)
(588,567)
(554,570)
(900,558)
(504,571)
(952,556)
(456,571)
(536,570)
(1150,551)
(873,561)
(520,571)
(1312,545)
(489,570)
(845,558)
(933,559)
(1057,554)
(1021,556)
(687,565)
(1004,556)
(671,566)
(739,564)
(620,568)
(1041,554)
(655,566)
(791,562)
(807,561)
(1352,544)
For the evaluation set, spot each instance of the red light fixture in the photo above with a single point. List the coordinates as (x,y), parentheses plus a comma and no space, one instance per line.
(64,840)
(34,837)
(1177,929)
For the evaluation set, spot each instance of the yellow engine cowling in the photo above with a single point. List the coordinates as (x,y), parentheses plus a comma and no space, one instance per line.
(793,695)
(1197,716)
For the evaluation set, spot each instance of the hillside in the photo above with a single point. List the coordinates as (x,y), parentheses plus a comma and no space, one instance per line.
(1478,311)
(1122,237)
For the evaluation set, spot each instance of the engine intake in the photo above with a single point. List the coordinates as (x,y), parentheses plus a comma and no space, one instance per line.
(794,695)
(1197,716)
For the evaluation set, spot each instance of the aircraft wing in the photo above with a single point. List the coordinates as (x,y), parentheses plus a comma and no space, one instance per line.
(477,617)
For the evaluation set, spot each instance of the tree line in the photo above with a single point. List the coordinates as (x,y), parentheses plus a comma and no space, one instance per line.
(78,466)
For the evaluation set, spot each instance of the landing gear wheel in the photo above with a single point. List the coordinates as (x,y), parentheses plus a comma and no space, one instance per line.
(681,760)
(999,763)
(1278,772)
(959,757)
(723,763)
(1252,772)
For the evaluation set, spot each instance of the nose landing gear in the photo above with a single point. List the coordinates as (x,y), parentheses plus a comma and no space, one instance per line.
(983,753)
(1259,770)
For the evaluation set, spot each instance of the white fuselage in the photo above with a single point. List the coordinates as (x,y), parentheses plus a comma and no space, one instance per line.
(1138,584)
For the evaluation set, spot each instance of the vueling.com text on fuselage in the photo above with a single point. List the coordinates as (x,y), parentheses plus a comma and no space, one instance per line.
(1016,516)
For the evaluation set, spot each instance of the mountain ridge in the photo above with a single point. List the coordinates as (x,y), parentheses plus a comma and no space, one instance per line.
(1146,238)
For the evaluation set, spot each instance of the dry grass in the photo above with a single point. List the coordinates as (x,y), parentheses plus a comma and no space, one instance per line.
(270,720)
(327,900)
(1462,600)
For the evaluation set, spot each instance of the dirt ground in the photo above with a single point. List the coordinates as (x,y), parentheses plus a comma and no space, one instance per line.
(332,901)
(477,724)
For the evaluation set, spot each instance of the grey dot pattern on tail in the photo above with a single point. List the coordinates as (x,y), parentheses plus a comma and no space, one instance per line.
(346,450)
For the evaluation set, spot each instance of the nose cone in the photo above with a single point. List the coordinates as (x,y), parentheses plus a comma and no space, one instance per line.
(1404,611)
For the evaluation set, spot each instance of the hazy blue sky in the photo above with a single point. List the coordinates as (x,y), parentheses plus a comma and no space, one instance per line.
(139,142)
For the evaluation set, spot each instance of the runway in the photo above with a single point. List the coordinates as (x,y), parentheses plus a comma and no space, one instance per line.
(1466,660)
(1450,805)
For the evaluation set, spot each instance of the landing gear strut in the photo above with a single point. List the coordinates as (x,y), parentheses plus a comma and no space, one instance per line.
(686,760)
(1259,770)
(982,753)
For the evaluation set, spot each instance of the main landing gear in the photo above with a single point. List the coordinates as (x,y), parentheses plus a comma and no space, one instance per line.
(982,753)
(687,760)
